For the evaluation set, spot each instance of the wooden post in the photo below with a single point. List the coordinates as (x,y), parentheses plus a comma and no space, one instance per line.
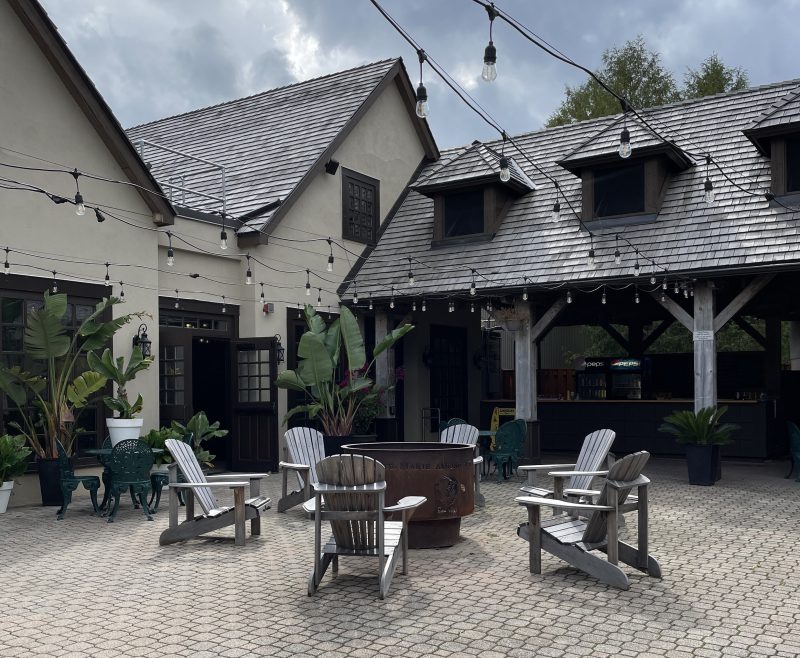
(525,367)
(773,360)
(705,347)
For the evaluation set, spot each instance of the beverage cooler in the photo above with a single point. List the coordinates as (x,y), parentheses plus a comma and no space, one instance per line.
(592,380)
(602,378)
(626,378)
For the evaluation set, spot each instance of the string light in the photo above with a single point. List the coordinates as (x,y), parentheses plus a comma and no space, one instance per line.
(625,137)
(299,311)
(652,279)
(170,252)
(569,297)
(505,172)
(224,308)
(308,283)
(691,290)
(451,306)
(636,297)
(664,284)
(7,265)
(319,299)
(472,288)
(472,307)
(422,108)
(414,305)
(489,72)
(177,299)
(410,274)
(99,216)
(80,208)
(637,269)
(424,308)
(489,307)
(391,299)
(663,296)
(248,277)
(263,299)
(108,278)
(677,289)
(223,236)
(708,187)
(617,255)
(330,257)
(556,214)
(355,292)
(591,257)
(55,283)
(121,292)
(370,303)
(603,297)
(686,292)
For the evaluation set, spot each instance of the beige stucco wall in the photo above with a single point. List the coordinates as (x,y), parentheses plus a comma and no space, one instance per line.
(39,117)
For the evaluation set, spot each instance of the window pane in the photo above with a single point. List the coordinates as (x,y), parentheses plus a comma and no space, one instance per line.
(793,165)
(12,339)
(11,312)
(619,191)
(463,214)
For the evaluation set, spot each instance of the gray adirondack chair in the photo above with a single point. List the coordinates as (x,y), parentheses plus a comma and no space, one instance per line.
(578,475)
(354,487)
(200,487)
(574,539)
(304,448)
(464,433)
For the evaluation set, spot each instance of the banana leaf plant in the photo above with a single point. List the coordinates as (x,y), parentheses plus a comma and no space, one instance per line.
(335,402)
(120,374)
(56,395)
(702,428)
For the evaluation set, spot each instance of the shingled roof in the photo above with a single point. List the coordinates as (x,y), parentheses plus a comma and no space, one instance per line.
(783,117)
(738,232)
(269,143)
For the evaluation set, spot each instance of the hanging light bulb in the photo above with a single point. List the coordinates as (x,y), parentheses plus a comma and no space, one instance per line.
(55,283)
(708,187)
(556,214)
(637,269)
(677,289)
(524,294)
(472,288)
(308,283)
(685,292)
(489,307)
(411,280)
(617,255)
(569,297)
(248,277)
(505,172)
(330,257)
(355,293)
(223,239)
(451,306)
(121,292)
(653,280)
(625,143)
(691,290)
(262,298)
(664,284)
(319,299)
(107,282)
(80,208)
(424,308)
(99,216)
(414,305)
(489,71)
(663,296)
(370,303)
(224,308)
(391,299)
(603,297)
(591,257)
(177,300)
(6,265)
(636,297)
(299,312)
(170,252)
(422,109)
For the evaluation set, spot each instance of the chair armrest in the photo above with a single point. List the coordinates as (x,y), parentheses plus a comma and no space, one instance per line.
(237,476)
(199,485)
(561,504)
(581,492)
(622,484)
(294,467)
(408,502)
(568,474)
(477,460)
(543,467)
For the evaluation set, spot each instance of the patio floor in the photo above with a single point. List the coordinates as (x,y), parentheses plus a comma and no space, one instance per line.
(729,554)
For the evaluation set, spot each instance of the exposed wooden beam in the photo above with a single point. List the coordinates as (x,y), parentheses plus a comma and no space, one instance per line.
(618,337)
(751,331)
(738,302)
(548,317)
(654,335)
(675,310)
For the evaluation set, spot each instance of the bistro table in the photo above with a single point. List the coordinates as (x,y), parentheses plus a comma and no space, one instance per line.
(102,455)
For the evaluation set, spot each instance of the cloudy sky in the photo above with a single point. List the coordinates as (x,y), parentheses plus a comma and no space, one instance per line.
(155,58)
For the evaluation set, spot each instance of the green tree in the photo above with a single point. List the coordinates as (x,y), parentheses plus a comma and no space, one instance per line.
(633,71)
(713,77)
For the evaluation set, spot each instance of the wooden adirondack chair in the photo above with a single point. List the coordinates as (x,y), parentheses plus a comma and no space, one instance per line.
(573,539)
(594,452)
(304,448)
(353,487)
(198,486)
(463,433)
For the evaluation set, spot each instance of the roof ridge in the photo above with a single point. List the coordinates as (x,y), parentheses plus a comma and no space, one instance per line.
(393,60)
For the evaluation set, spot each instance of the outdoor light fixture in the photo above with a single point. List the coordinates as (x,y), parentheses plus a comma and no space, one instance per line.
(177,299)
(55,283)
(308,283)
(677,289)
(319,299)
(223,236)
(422,108)
(355,293)
(370,304)
(141,341)
(603,297)
(411,279)
(170,252)
(653,280)
(451,306)
(472,288)
(248,277)
(391,299)
(100,216)
(6,266)
(637,269)
(107,282)
(121,292)
(80,208)
(224,308)
(636,297)
(591,257)
(424,308)
(556,215)
(569,297)
(280,351)
(524,294)
(708,186)
(331,166)
(489,72)
(472,307)
(414,305)
(625,143)
(617,255)
(664,284)
(505,172)
(330,257)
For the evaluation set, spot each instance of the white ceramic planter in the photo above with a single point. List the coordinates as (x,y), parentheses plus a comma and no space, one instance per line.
(120,429)
(5,494)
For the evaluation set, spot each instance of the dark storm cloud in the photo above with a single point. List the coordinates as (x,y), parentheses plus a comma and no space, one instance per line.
(153,58)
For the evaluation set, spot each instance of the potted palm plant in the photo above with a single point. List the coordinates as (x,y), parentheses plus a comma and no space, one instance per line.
(49,401)
(334,401)
(703,434)
(125,425)
(13,462)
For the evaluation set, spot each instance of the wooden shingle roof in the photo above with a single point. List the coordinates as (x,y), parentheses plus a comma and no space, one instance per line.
(739,232)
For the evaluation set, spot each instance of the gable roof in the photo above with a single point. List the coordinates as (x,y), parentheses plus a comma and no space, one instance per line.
(80,86)
(272,143)
(782,117)
(740,232)
(473,165)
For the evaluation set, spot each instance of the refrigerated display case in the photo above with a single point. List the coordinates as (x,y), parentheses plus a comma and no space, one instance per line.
(592,381)
(626,378)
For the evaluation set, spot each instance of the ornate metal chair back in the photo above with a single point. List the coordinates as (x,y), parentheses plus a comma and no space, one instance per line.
(130,461)
(63,462)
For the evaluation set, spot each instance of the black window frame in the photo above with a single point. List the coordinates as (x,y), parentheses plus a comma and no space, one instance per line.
(792,168)
(350,177)
(478,201)
(618,210)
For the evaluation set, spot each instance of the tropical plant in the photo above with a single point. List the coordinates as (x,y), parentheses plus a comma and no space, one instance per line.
(202,431)
(120,374)
(57,396)
(334,402)
(373,403)
(702,428)
(13,456)
(158,439)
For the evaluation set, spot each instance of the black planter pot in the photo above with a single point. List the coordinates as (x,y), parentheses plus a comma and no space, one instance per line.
(50,482)
(717,456)
(701,462)
(333,444)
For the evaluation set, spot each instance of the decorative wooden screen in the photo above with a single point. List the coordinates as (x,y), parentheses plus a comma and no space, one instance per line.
(359,207)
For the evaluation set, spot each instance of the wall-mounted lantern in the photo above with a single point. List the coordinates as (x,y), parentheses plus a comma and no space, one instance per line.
(280,351)
(142,341)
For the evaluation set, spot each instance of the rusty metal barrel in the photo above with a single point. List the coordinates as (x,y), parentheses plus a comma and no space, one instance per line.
(441,472)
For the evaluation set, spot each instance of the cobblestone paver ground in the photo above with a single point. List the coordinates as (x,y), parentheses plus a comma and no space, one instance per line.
(729,554)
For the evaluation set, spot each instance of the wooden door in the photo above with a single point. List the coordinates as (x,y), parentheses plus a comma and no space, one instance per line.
(254,427)
(448,369)
(175,375)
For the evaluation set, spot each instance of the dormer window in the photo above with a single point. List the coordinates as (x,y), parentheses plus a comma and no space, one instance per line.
(793,164)
(463,214)
(619,191)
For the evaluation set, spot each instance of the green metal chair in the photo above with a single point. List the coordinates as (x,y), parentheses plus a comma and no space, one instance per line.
(508,445)
(70,482)
(794,451)
(129,464)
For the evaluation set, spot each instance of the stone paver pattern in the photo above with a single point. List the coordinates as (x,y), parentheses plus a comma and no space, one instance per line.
(729,554)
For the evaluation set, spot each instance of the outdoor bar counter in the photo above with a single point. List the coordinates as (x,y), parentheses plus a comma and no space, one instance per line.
(564,423)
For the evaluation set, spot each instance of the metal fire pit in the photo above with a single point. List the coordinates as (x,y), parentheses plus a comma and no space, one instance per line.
(441,472)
